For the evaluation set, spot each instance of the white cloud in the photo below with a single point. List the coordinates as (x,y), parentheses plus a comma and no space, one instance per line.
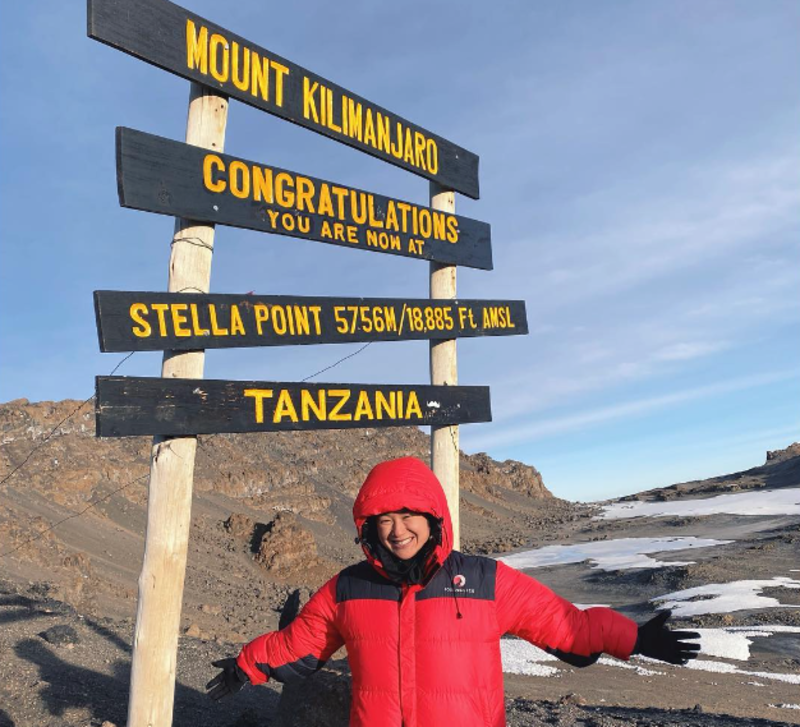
(506,434)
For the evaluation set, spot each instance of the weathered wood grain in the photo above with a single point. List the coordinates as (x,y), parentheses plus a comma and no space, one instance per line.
(181,42)
(130,406)
(159,175)
(148,321)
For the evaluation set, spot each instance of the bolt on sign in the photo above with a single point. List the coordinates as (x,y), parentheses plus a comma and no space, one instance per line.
(129,406)
(139,321)
(177,40)
(155,174)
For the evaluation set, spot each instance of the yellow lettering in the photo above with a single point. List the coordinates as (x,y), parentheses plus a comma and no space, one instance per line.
(309,404)
(196,329)
(196,47)
(273,217)
(425,222)
(359,217)
(397,146)
(239,178)
(262,313)
(283,197)
(160,309)
(439,225)
(325,230)
(259,395)
(143,330)
(340,193)
(432,156)
(419,149)
(242,82)
(391,217)
(354,125)
(325,203)
(259,78)
(281,72)
(412,405)
(305,194)
(215,329)
(178,319)
(315,311)
(369,128)
(382,405)
(452,229)
(309,102)
(405,208)
(352,234)
(408,148)
(335,413)
(284,408)
(262,185)
(373,221)
(212,185)
(331,125)
(301,320)
(217,41)
(384,135)
(237,327)
(363,407)
(278,320)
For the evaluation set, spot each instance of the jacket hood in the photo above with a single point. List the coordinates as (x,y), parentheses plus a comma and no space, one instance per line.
(403,484)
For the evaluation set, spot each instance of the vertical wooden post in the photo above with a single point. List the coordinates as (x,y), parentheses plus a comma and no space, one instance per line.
(169,504)
(444,371)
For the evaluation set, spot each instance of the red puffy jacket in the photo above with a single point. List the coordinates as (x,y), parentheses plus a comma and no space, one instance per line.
(429,655)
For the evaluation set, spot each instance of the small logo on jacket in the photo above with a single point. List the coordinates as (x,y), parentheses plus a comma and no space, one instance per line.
(459,581)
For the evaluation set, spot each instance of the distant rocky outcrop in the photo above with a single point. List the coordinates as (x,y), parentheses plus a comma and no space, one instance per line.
(780,469)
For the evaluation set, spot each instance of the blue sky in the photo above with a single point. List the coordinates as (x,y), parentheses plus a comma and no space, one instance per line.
(639,167)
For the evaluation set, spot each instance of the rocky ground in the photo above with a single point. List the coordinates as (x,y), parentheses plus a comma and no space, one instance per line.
(271,517)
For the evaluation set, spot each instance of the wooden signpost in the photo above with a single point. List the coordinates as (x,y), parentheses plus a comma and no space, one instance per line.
(133,321)
(172,38)
(203,187)
(130,406)
(159,175)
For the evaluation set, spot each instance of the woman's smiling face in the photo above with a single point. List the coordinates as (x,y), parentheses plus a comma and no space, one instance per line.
(403,533)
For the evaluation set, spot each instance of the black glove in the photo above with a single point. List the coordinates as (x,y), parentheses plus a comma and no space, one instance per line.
(229,681)
(658,642)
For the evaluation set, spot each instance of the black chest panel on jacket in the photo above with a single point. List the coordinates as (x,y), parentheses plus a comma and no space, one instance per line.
(362,581)
(462,576)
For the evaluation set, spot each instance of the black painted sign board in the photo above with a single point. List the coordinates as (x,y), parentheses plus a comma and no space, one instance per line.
(172,178)
(142,321)
(131,406)
(177,40)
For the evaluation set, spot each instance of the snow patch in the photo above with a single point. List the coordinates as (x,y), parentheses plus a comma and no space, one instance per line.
(733,642)
(609,555)
(725,597)
(720,667)
(769,502)
(520,657)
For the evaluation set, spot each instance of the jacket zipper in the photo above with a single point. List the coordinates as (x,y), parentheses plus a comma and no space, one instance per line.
(403,592)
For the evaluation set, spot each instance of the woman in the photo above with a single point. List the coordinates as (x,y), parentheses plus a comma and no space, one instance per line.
(422,622)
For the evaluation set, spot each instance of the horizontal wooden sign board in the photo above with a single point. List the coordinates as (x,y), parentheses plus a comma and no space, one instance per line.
(130,406)
(172,38)
(137,321)
(172,178)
